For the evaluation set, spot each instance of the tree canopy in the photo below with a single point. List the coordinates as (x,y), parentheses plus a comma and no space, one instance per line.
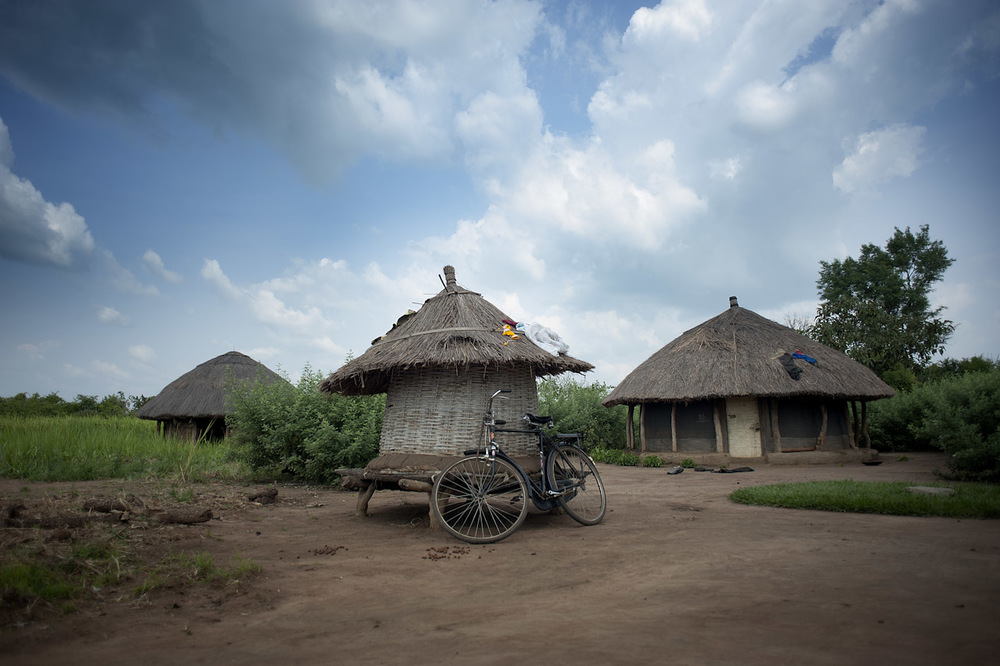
(876,308)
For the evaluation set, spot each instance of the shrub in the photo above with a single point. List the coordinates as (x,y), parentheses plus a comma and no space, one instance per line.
(959,415)
(576,407)
(652,461)
(615,457)
(300,431)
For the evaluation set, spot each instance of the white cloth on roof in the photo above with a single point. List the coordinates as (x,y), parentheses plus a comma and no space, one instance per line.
(545,338)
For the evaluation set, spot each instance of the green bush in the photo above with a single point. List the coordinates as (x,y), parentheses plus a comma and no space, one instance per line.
(300,431)
(615,457)
(652,461)
(958,414)
(576,407)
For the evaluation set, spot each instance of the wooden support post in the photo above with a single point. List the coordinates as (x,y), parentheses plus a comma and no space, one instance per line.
(822,428)
(855,427)
(774,425)
(630,429)
(642,426)
(673,427)
(720,443)
(847,420)
(364,495)
(864,424)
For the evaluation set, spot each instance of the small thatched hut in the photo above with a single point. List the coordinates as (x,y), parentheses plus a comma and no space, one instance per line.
(437,367)
(194,404)
(747,387)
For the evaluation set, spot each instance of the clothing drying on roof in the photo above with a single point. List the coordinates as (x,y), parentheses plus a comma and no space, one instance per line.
(807,359)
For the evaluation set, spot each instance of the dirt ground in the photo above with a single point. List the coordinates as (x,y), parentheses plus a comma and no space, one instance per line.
(676,573)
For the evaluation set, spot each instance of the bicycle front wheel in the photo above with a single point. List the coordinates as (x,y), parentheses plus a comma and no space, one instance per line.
(572,473)
(479,499)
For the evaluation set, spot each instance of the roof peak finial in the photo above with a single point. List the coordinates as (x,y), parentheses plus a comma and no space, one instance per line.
(449,278)
(733,303)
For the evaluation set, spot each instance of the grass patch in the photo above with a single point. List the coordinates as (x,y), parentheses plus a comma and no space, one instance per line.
(62,572)
(194,568)
(970,500)
(85,448)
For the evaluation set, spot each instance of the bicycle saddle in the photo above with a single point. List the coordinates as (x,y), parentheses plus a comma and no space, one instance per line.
(537,420)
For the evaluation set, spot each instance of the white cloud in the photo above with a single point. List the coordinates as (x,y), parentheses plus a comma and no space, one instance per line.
(142,353)
(108,315)
(686,19)
(212,273)
(104,369)
(155,266)
(36,352)
(32,229)
(880,156)
(765,107)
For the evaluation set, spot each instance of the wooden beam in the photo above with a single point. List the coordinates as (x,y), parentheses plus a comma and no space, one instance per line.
(822,428)
(864,424)
(775,430)
(719,439)
(630,429)
(847,420)
(673,427)
(642,426)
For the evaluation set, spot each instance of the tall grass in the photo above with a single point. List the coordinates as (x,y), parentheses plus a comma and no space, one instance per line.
(83,448)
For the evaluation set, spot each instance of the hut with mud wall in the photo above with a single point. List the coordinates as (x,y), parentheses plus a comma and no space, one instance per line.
(194,405)
(438,366)
(742,386)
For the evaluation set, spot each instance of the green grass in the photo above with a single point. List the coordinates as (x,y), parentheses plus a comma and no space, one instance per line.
(51,573)
(85,448)
(195,567)
(970,500)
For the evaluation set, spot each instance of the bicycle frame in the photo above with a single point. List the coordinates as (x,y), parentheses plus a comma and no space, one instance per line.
(542,496)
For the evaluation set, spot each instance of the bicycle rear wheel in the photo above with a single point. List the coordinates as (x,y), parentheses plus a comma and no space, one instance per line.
(479,499)
(571,471)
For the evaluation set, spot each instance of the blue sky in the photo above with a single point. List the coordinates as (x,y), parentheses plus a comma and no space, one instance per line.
(182,179)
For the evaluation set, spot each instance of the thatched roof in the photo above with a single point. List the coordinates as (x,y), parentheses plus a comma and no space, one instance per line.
(457,328)
(201,393)
(738,353)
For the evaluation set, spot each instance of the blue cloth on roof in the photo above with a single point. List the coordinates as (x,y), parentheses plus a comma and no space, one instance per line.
(807,359)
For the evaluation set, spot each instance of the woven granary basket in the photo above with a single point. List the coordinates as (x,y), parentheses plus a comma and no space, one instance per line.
(439,411)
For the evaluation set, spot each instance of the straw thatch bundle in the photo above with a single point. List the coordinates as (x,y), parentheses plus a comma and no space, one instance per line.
(456,329)
(201,393)
(437,367)
(738,353)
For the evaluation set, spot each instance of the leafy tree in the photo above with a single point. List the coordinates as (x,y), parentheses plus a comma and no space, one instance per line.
(876,308)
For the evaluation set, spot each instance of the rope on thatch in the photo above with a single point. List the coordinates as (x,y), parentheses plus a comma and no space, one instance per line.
(437,330)
(455,329)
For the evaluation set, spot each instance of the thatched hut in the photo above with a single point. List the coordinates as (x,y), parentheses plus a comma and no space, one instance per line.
(194,405)
(746,387)
(437,367)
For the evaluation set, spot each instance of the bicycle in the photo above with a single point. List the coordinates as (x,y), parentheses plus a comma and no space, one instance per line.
(483,497)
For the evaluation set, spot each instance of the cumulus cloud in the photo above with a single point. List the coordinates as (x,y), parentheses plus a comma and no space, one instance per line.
(382,78)
(155,266)
(212,273)
(108,315)
(32,229)
(142,353)
(684,19)
(36,352)
(880,156)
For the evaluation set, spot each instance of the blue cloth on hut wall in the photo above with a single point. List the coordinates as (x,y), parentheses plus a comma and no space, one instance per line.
(788,364)
(807,359)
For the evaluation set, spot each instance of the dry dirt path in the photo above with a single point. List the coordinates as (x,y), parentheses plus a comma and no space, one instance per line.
(676,574)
